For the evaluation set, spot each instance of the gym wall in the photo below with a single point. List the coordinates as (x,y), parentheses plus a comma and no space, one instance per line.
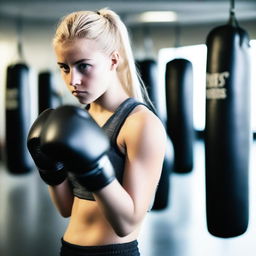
(38,53)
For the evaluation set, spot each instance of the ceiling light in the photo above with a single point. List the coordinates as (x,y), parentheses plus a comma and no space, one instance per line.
(165,16)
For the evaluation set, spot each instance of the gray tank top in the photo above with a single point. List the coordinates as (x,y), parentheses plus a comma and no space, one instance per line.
(116,157)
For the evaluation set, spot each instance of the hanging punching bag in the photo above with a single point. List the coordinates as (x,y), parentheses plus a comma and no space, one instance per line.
(47,95)
(17,111)
(179,101)
(148,72)
(162,194)
(44,91)
(227,132)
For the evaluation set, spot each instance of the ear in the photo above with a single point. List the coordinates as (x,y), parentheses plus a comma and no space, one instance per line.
(115,58)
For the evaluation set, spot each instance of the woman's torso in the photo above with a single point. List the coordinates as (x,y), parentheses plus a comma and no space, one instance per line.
(88,225)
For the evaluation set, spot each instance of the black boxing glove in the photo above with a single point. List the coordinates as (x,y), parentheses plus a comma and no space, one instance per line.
(52,172)
(71,136)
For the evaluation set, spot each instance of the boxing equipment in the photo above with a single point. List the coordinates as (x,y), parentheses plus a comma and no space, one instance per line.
(179,101)
(17,112)
(1,148)
(71,136)
(227,131)
(47,97)
(162,198)
(52,172)
(148,72)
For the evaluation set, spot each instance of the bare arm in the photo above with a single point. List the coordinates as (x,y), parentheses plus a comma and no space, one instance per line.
(125,206)
(62,197)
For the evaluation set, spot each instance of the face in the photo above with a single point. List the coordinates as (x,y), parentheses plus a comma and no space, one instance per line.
(86,70)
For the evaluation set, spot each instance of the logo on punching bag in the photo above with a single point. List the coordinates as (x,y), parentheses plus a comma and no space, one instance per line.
(12,99)
(215,85)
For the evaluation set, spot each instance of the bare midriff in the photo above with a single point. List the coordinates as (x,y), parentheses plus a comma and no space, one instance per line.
(89,227)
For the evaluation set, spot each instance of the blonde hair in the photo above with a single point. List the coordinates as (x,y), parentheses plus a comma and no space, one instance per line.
(107,29)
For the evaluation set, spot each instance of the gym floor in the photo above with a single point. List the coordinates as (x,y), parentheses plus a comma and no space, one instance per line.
(30,225)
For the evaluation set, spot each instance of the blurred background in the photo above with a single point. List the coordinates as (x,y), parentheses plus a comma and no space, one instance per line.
(160,31)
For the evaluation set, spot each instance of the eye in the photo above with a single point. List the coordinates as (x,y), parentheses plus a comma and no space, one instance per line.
(83,67)
(64,68)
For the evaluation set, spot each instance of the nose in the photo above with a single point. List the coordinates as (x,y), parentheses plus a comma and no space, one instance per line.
(74,78)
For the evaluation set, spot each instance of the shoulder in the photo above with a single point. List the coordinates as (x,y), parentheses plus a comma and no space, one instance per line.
(142,117)
(143,128)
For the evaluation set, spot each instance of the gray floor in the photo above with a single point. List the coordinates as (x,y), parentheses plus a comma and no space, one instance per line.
(30,226)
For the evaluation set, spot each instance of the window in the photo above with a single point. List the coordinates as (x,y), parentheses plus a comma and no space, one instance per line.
(197,56)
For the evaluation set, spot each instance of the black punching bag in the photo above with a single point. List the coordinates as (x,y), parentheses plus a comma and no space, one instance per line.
(17,110)
(44,91)
(47,96)
(162,194)
(179,101)
(227,132)
(148,72)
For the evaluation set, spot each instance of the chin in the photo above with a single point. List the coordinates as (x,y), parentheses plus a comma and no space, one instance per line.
(83,100)
(88,100)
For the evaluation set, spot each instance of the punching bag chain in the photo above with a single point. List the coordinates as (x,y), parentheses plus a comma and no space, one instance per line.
(19,27)
(232,19)
(232,7)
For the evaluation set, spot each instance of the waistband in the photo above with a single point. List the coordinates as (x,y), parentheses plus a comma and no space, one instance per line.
(129,248)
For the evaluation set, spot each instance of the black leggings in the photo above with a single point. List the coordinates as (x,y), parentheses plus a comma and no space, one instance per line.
(125,249)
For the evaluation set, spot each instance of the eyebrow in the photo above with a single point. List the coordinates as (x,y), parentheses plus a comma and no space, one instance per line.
(75,63)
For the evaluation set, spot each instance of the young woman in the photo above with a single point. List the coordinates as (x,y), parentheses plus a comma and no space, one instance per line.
(95,58)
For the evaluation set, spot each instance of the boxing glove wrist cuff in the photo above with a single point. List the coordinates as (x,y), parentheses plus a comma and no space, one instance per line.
(53,178)
(99,177)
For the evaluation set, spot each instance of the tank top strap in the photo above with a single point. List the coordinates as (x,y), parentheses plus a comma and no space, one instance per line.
(115,122)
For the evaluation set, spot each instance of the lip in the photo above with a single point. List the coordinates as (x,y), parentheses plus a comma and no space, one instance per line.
(76,92)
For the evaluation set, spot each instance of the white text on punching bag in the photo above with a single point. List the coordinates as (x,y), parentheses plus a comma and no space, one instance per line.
(12,99)
(215,85)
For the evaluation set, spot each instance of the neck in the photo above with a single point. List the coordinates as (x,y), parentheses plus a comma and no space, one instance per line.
(111,99)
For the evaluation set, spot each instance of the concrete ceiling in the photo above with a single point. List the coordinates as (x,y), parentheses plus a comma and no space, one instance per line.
(187,11)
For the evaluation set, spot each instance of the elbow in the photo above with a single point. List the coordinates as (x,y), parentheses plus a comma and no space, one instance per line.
(64,212)
(124,230)
(65,215)
(125,227)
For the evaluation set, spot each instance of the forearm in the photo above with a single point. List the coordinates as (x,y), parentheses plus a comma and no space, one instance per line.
(119,208)
(62,197)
